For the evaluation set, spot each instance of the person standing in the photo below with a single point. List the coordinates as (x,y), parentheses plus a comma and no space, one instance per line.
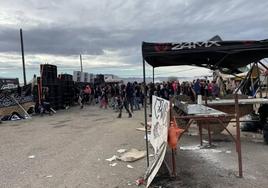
(178,88)
(197,87)
(215,89)
(137,96)
(130,95)
(104,98)
(81,98)
(123,102)
(209,85)
(164,92)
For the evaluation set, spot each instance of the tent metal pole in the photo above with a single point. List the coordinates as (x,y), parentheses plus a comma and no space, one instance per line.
(251,80)
(263,65)
(238,139)
(247,78)
(266,77)
(153,75)
(259,80)
(145,112)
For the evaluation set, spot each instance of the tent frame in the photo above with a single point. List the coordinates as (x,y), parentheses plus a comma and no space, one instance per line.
(236,115)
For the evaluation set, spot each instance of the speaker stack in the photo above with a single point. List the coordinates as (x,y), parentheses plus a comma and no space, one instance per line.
(67,88)
(50,81)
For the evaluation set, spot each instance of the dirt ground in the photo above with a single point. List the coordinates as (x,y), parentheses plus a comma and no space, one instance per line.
(69,149)
(217,166)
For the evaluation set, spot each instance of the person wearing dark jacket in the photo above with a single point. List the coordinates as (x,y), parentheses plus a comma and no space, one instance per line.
(123,102)
(130,95)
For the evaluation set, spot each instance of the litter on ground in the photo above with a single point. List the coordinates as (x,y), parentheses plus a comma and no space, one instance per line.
(113,158)
(142,129)
(121,151)
(129,166)
(132,155)
(113,164)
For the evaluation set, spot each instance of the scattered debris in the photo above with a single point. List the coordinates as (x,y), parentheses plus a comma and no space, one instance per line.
(143,129)
(149,136)
(113,158)
(192,134)
(129,183)
(257,140)
(132,155)
(251,177)
(49,176)
(129,166)
(190,147)
(151,155)
(149,123)
(113,164)
(54,111)
(98,159)
(31,157)
(200,148)
(140,181)
(121,151)
(215,151)
(228,152)
(23,172)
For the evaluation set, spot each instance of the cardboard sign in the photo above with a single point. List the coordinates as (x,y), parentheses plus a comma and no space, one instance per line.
(155,166)
(159,135)
(160,122)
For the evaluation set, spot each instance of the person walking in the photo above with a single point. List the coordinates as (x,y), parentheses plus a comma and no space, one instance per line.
(104,98)
(123,102)
(137,96)
(130,95)
(81,98)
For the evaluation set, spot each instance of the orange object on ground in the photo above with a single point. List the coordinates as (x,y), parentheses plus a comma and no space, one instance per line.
(174,133)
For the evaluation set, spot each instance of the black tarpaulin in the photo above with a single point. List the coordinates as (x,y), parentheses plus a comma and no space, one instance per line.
(221,55)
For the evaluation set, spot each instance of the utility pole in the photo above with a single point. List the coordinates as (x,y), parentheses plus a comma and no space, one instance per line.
(81,63)
(22,56)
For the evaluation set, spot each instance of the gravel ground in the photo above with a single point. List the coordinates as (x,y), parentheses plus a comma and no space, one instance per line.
(217,166)
(69,149)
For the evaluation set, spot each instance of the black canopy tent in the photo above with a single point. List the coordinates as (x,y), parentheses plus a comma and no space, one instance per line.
(223,55)
(227,56)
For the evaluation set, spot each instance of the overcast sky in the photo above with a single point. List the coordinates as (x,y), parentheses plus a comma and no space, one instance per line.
(109,32)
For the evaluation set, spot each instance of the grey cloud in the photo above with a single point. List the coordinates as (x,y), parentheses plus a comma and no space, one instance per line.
(92,27)
(58,41)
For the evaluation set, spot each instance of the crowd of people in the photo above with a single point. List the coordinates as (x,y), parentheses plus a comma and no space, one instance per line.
(130,96)
(116,96)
